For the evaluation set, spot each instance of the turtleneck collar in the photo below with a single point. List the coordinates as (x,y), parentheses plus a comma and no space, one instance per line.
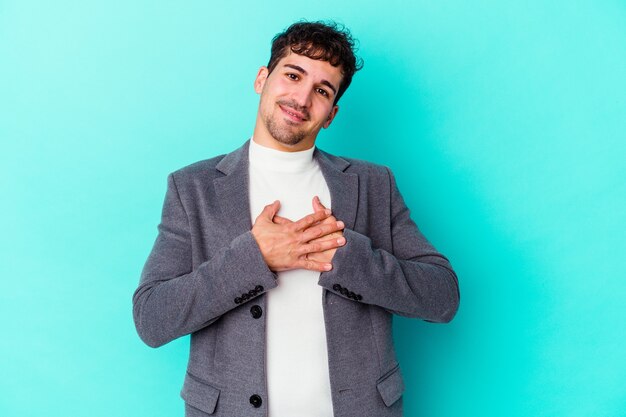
(278,161)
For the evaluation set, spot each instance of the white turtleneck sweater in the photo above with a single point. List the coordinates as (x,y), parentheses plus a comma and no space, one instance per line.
(296,356)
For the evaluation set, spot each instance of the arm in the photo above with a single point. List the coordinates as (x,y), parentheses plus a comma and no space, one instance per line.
(412,280)
(173,299)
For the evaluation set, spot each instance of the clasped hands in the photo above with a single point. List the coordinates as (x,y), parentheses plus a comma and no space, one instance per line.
(309,243)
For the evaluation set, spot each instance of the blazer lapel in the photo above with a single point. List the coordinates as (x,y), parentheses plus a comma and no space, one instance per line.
(343,186)
(232,191)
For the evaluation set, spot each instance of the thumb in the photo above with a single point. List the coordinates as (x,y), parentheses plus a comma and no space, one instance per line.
(281,220)
(269,211)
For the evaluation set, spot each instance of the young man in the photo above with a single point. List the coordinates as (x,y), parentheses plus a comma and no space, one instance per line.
(285,263)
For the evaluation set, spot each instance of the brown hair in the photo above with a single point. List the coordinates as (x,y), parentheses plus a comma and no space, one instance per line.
(325,41)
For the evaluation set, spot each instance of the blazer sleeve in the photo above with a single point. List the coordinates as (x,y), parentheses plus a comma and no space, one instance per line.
(412,280)
(173,298)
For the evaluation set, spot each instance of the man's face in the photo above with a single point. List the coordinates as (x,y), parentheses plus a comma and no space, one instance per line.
(296,101)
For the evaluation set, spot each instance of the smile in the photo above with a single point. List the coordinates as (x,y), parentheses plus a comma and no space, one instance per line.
(292,114)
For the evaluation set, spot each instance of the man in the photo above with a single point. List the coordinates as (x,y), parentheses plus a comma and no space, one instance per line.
(285,263)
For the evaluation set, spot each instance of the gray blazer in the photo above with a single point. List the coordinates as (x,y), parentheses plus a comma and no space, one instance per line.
(206,277)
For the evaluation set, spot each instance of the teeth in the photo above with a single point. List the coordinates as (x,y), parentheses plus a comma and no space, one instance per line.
(292,114)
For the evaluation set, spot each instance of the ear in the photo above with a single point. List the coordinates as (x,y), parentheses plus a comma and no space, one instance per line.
(331,116)
(259,81)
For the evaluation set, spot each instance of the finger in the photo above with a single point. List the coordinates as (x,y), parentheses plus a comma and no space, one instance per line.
(317,204)
(328,236)
(320,230)
(328,220)
(269,211)
(321,246)
(313,265)
(281,220)
(310,219)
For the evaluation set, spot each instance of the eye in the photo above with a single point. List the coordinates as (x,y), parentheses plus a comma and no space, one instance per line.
(292,76)
(322,92)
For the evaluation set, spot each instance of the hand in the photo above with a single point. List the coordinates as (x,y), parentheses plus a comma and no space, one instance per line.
(327,255)
(289,245)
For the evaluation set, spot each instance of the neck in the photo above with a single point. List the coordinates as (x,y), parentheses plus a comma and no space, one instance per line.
(274,160)
(264,138)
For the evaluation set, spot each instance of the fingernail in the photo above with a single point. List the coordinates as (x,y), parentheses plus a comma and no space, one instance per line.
(327,211)
(328,267)
(339,223)
(341,240)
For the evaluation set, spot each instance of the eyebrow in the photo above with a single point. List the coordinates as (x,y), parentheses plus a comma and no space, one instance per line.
(303,71)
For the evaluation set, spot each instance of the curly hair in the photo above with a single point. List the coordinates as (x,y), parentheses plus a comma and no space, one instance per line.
(325,41)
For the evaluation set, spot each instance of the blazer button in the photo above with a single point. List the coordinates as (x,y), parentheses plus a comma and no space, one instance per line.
(344,291)
(352,295)
(245,296)
(337,287)
(258,288)
(237,300)
(251,293)
(359,297)
(256,311)
(256,401)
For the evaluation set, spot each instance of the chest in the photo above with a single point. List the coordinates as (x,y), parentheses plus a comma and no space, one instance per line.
(294,190)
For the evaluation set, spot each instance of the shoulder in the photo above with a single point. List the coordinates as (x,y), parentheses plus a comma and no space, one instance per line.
(209,169)
(205,168)
(366,167)
(358,166)
(195,176)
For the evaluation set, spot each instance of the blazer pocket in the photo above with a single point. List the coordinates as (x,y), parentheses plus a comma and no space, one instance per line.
(391,386)
(199,394)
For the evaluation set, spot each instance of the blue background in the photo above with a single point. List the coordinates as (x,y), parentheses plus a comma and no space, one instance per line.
(504,122)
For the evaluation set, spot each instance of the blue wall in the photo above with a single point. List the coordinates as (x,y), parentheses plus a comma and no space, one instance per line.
(504,122)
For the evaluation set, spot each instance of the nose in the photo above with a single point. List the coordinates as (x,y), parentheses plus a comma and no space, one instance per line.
(303,95)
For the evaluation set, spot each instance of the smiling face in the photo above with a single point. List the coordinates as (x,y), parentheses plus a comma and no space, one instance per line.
(296,102)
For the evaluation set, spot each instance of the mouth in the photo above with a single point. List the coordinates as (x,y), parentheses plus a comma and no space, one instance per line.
(292,114)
